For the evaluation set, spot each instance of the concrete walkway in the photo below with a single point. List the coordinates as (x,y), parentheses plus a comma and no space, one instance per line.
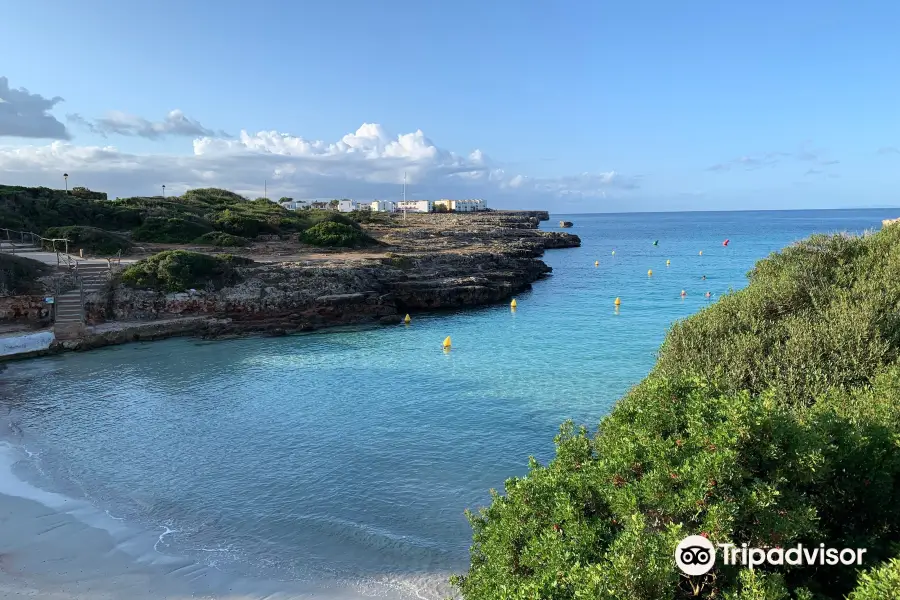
(52,259)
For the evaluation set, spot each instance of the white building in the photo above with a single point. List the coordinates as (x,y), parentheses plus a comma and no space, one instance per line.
(295,204)
(419,206)
(470,205)
(351,205)
(383,206)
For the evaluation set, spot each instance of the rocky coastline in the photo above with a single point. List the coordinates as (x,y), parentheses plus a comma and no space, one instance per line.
(425,262)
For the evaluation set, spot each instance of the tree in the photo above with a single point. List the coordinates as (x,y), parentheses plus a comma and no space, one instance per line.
(334,204)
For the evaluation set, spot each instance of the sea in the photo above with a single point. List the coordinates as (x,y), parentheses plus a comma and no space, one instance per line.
(343,460)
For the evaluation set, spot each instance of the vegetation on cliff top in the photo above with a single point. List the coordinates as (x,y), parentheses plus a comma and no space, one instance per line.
(179,271)
(179,219)
(18,275)
(90,239)
(772,418)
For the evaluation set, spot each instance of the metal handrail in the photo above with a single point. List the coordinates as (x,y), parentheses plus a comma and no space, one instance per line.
(61,258)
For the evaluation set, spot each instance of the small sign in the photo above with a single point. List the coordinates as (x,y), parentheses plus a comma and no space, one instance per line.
(49,300)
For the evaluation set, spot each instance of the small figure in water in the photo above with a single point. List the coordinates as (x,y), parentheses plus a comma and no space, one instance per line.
(704,278)
(708,294)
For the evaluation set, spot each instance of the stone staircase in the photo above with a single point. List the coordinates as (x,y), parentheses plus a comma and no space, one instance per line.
(69,309)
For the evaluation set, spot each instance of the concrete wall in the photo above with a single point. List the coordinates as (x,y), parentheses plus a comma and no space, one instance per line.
(25,344)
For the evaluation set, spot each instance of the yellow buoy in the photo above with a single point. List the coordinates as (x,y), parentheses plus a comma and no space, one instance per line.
(668,262)
(701,253)
(407,319)
(614,252)
(596,263)
(447,342)
(650,273)
(618,302)
(513,303)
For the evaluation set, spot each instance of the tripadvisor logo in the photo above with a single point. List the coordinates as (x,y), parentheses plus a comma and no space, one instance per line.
(696,555)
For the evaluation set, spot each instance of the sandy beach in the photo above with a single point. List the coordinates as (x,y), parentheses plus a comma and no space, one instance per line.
(57,548)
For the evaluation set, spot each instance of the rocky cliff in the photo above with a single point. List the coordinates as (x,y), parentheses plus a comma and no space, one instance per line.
(430,262)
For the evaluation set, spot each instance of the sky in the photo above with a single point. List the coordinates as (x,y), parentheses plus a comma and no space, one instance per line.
(567,106)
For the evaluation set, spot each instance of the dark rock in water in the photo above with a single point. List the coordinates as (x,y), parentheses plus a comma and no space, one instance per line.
(565,223)
(277,332)
(391,320)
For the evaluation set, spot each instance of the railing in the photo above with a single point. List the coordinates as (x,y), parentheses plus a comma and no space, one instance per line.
(28,239)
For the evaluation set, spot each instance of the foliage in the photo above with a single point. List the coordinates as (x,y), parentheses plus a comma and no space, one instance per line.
(880,583)
(368,216)
(152,219)
(799,444)
(326,216)
(18,275)
(179,270)
(334,234)
(90,239)
(170,230)
(822,313)
(36,209)
(221,239)
(441,208)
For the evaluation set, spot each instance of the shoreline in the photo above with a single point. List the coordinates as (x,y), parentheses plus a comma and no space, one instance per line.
(53,546)
(435,262)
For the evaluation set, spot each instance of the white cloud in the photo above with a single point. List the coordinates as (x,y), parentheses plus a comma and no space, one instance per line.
(369,163)
(116,122)
(23,114)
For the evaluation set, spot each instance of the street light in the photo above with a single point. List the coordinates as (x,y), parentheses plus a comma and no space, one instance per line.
(164,190)
(66,177)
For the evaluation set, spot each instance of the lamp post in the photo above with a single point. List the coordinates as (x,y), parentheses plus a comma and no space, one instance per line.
(66,177)
(164,190)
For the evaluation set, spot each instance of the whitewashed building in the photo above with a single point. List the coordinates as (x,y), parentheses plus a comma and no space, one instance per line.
(295,204)
(383,206)
(418,206)
(469,205)
(352,205)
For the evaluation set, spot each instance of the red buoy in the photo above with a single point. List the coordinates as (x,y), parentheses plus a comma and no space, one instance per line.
(725,243)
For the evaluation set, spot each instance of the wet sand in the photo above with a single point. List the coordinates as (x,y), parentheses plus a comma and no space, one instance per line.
(57,548)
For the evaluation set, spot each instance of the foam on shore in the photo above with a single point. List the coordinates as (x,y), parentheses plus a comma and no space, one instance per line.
(61,548)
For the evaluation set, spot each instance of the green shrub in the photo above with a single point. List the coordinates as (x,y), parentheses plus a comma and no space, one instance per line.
(164,230)
(179,270)
(90,239)
(772,419)
(822,313)
(324,216)
(219,238)
(333,234)
(879,584)
(18,275)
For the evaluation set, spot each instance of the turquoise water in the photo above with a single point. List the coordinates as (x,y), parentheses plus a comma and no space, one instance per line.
(348,457)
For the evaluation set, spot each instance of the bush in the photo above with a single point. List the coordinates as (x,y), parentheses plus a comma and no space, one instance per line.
(333,234)
(334,217)
(179,270)
(18,275)
(820,314)
(164,230)
(219,238)
(879,584)
(772,419)
(90,239)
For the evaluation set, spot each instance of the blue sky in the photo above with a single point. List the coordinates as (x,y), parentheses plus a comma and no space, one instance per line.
(574,106)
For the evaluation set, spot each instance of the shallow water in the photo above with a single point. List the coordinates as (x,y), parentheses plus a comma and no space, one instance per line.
(347,457)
